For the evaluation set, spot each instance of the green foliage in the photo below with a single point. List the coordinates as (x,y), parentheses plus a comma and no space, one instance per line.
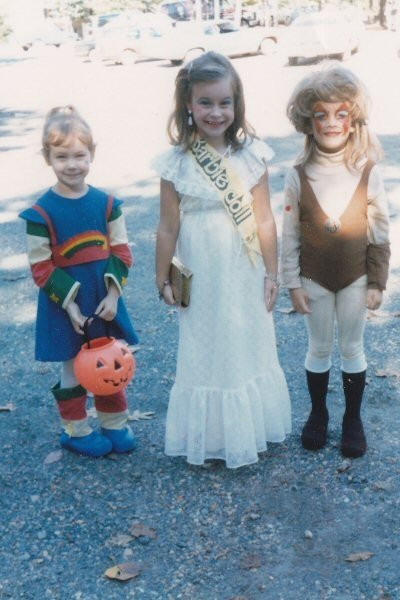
(101,7)
(75,9)
(5,30)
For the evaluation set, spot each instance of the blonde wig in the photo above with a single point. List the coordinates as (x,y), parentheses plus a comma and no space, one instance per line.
(209,67)
(62,123)
(335,84)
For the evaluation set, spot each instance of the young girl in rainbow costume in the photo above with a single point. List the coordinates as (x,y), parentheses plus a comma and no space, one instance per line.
(79,256)
(335,245)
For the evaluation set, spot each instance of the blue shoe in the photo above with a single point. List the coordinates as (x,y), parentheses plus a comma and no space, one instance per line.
(93,445)
(122,440)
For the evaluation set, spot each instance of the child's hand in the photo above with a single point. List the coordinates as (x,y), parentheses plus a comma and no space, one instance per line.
(374,299)
(76,317)
(107,309)
(271,292)
(168,295)
(300,301)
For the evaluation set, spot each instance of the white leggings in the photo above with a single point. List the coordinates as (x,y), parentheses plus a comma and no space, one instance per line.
(349,307)
(68,377)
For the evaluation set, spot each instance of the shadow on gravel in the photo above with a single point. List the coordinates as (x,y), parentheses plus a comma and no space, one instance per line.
(15,125)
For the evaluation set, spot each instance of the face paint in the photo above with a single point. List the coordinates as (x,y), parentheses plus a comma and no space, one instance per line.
(331,123)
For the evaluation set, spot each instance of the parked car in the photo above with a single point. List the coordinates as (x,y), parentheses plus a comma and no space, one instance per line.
(48,35)
(183,42)
(192,39)
(320,34)
(84,48)
(103,20)
(118,40)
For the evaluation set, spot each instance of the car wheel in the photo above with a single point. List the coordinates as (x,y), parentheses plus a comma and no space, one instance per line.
(128,57)
(244,23)
(292,60)
(267,46)
(192,54)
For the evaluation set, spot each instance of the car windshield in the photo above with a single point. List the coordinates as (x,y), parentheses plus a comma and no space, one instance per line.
(227,27)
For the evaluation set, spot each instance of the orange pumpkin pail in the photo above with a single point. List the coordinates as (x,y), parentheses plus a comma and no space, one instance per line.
(104,365)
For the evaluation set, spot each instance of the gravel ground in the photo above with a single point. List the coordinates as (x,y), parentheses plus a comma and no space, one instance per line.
(280,529)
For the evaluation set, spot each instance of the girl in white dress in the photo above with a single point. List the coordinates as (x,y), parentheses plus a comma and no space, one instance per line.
(230,395)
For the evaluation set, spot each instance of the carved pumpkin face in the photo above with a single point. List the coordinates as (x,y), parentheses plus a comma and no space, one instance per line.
(106,367)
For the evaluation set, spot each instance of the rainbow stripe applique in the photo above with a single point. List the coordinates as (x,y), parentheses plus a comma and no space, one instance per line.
(83,240)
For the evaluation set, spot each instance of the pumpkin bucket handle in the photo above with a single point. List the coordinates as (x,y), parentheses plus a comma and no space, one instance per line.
(86,328)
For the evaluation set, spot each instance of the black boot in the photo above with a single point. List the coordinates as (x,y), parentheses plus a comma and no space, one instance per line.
(354,443)
(314,432)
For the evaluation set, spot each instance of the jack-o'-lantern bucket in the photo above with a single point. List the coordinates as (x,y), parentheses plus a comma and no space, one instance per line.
(104,365)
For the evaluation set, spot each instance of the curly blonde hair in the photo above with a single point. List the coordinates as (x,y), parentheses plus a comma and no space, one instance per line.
(334,84)
(208,67)
(61,123)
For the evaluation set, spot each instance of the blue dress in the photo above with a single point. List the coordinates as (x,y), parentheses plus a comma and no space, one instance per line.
(56,339)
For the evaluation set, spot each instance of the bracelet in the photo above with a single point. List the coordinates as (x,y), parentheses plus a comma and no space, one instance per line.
(161,289)
(275,280)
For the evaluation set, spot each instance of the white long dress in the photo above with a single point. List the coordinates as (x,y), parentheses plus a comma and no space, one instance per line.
(230,395)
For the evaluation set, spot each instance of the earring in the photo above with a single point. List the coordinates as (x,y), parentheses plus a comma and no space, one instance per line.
(190,119)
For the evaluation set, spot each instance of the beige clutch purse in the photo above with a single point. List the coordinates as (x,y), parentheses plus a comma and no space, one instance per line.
(180,278)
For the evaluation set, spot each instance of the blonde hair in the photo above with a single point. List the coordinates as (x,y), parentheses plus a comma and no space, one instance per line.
(335,84)
(61,123)
(209,67)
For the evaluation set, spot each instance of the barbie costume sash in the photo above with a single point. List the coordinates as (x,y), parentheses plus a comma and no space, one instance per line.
(236,200)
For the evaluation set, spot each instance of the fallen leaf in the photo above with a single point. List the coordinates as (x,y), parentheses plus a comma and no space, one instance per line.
(8,407)
(357,556)
(123,571)
(139,530)
(222,554)
(251,561)
(121,539)
(383,373)
(53,457)
(345,466)
(137,415)
(382,485)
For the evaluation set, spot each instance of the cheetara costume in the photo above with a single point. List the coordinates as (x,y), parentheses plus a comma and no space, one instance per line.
(335,245)
(75,248)
(230,395)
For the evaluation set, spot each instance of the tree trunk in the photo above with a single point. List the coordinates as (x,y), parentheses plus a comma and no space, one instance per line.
(381,14)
